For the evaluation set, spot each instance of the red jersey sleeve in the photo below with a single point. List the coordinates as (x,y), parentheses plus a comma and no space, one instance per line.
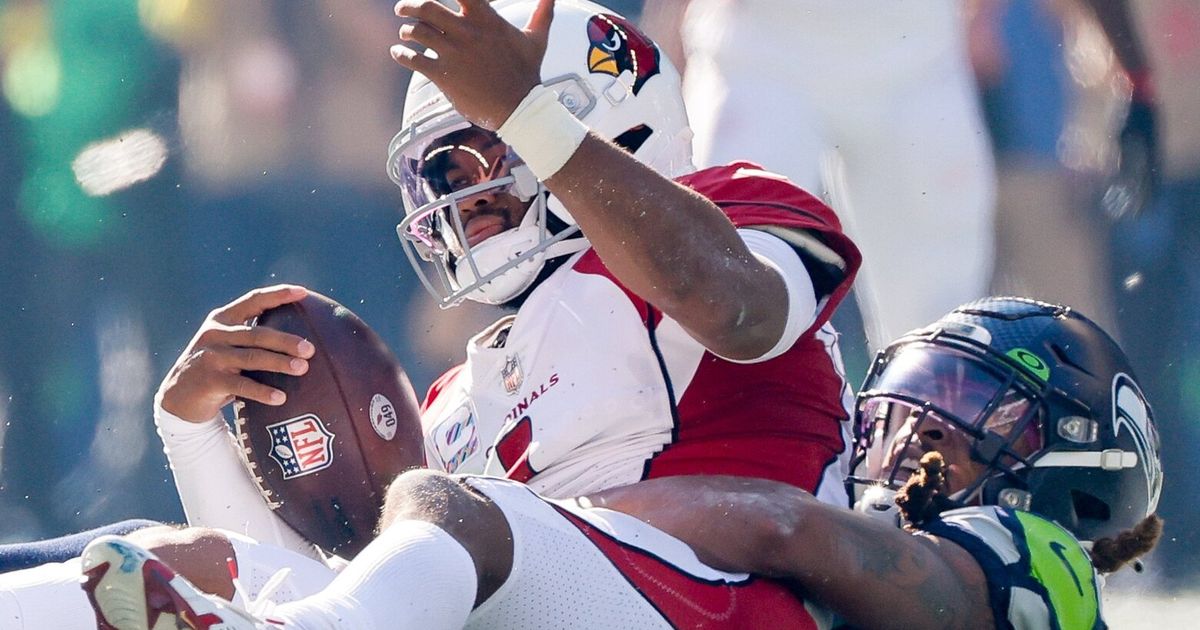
(440,384)
(755,198)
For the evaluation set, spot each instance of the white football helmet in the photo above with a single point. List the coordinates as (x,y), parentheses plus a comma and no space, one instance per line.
(610,76)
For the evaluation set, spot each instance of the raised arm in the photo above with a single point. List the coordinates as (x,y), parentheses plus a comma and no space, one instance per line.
(674,248)
(869,572)
(667,244)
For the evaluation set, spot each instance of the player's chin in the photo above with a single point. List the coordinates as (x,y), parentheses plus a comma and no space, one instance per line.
(482,228)
(958,478)
(910,462)
(903,475)
(484,235)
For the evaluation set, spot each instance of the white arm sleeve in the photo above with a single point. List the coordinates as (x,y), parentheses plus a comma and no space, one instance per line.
(773,252)
(214,485)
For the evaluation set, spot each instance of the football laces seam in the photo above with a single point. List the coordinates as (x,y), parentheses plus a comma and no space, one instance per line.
(245,451)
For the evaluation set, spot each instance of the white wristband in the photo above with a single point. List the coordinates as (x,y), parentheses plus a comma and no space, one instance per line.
(543,132)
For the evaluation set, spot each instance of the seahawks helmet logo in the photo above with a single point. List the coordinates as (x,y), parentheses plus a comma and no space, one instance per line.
(1132,413)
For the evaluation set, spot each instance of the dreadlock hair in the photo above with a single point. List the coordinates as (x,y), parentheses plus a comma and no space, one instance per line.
(923,496)
(1110,554)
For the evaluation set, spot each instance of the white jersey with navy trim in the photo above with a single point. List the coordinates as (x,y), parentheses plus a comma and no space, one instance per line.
(1039,575)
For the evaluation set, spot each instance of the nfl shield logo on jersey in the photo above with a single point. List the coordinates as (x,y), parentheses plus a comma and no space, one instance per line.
(511,374)
(301,446)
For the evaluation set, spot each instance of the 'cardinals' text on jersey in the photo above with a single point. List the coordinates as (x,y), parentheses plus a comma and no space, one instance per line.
(589,386)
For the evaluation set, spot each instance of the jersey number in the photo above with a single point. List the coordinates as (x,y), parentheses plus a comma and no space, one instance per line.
(513,451)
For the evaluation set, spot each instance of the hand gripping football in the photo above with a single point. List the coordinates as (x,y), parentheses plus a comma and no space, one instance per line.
(323,460)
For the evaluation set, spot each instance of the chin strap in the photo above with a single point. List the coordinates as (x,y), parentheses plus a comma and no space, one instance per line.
(879,502)
(567,247)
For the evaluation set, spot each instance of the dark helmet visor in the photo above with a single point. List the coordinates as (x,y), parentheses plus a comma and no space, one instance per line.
(926,386)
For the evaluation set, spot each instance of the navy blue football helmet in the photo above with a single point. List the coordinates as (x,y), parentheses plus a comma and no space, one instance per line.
(1032,405)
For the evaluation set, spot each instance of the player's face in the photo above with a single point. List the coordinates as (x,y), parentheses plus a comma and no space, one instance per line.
(920,433)
(947,403)
(468,158)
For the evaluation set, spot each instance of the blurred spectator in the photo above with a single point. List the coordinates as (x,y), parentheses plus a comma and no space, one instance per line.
(86,261)
(1048,150)
(160,158)
(1157,280)
(872,104)
(1061,103)
(286,87)
(286,111)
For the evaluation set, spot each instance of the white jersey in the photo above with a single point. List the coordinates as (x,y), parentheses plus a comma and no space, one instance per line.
(1039,575)
(578,566)
(590,387)
(538,395)
(574,394)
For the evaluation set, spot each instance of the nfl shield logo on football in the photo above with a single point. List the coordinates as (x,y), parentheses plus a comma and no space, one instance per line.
(301,446)
(511,374)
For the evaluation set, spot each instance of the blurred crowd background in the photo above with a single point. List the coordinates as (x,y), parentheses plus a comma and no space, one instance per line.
(160,157)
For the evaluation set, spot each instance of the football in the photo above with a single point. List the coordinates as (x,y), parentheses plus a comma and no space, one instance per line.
(323,460)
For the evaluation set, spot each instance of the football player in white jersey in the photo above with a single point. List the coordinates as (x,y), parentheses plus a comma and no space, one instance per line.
(649,307)
(1025,457)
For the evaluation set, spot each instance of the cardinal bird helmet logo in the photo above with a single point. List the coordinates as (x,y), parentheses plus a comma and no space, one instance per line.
(618,47)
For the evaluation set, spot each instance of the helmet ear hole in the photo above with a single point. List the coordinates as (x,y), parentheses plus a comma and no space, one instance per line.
(1061,354)
(633,139)
(1089,507)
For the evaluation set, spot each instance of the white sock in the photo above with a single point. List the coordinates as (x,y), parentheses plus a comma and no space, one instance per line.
(47,596)
(414,575)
